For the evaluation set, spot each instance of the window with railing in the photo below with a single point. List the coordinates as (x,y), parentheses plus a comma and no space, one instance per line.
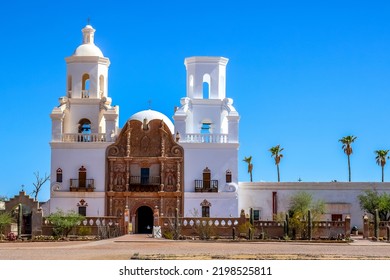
(82,183)
(206,185)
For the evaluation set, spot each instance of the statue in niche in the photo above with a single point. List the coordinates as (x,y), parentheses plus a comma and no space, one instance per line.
(170,180)
(119,179)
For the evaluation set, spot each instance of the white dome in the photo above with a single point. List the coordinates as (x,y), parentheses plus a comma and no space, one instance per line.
(88,50)
(153,115)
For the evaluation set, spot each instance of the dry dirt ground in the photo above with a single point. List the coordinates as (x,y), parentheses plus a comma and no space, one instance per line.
(143,247)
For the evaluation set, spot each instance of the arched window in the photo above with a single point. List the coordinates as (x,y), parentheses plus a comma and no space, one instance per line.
(85,86)
(206,86)
(101,86)
(85,126)
(59,175)
(206,90)
(69,86)
(228,176)
(205,208)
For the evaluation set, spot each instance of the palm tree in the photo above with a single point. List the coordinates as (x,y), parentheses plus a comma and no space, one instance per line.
(347,141)
(248,160)
(275,153)
(381,156)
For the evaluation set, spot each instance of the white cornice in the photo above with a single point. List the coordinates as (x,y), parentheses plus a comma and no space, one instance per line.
(207,102)
(209,146)
(95,101)
(87,59)
(206,59)
(80,145)
(307,186)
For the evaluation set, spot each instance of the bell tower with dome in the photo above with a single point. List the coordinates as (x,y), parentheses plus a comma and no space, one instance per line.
(206,126)
(84,124)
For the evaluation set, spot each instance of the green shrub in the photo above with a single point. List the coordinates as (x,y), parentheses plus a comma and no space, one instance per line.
(84,231)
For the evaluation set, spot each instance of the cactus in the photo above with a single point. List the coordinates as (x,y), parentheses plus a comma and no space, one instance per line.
(20,220)
(286,226)
(309,225)
(176,234)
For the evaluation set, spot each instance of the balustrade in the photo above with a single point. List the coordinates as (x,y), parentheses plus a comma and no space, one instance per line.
(82,137)
(204,138)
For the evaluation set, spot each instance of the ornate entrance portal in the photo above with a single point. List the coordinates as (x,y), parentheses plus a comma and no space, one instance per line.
(144,220)
(144,171)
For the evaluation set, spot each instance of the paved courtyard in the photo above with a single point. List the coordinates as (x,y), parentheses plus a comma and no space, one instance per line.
(142,246)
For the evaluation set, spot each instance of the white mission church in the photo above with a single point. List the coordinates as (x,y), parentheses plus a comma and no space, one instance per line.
(101,169)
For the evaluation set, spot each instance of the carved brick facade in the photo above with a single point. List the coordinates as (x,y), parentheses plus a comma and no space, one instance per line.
(144,167)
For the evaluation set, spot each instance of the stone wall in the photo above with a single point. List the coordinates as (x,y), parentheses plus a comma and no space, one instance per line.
(32,207)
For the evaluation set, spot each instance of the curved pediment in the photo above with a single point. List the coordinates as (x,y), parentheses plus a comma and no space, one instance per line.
(145,139)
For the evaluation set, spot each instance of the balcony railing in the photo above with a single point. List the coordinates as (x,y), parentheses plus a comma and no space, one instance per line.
(77,185)
(144,184)
(205,138)
(206,186)
(141,180)
(81,137)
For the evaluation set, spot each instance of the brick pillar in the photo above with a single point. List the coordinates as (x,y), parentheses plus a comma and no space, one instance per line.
(347,227)
(366,224)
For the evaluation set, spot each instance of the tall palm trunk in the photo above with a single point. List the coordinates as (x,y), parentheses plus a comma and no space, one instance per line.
(349,168)
(383,173)
(277,168)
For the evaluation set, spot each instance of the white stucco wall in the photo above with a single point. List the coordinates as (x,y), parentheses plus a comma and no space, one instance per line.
(340,197)
(217,157)
(71,156)
(77,67)
(223,205)
(67,201)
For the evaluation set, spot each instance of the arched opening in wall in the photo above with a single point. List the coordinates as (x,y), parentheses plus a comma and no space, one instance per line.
(144,220)
(85,126)
(101,86)
(206,86)
(85,86)
(69,86)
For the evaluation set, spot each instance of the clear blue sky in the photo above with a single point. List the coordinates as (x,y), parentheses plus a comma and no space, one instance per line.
(302,74)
